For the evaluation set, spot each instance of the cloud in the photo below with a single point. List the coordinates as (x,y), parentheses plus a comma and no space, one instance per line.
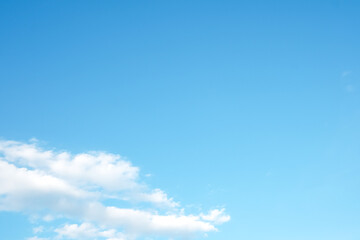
(74,187)
(158,197)
(87,231)
(21,188)
(345,73)
(104,170)
(217,216)
(38,229)
(37,238)
(350,88)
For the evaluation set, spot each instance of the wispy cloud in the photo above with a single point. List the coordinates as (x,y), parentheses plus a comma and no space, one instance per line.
(345,74)
(38,229)
(348,81)
(217,216)
(87,231)
(350,88)
(74,187)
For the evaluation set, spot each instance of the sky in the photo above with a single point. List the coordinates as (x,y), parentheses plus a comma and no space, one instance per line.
(154,120)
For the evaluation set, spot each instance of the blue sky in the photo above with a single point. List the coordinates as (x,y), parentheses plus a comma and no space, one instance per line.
(248,108)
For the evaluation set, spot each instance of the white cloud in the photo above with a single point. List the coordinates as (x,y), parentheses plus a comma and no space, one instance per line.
(36,238)
(73,187)
(21,188)
(217,216)
(158,197)
(137,221)
(38,229)
(104,170)
(48,218)
(87,231)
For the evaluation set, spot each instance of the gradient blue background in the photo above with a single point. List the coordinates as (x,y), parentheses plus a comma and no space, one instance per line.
(250,105)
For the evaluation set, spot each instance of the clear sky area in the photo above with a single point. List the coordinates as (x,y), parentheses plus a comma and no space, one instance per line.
(154,120)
